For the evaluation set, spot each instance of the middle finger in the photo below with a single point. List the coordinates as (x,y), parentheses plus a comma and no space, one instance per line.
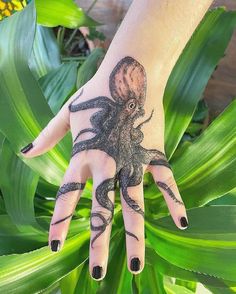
(132,200)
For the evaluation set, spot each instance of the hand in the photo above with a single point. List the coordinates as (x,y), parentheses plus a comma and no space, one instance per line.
(116,137)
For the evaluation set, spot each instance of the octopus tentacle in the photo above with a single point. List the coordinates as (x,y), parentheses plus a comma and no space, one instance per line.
(98,102)
(132,235)
(144,122)
(124,180)
(151,156)
(80,94)
(85,131)
(85,145)
(137,175)
(101,195)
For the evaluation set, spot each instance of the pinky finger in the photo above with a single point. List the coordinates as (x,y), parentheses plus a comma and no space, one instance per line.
(164,178)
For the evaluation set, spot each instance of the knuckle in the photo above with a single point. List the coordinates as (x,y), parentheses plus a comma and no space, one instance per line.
(45,131)
(167,179)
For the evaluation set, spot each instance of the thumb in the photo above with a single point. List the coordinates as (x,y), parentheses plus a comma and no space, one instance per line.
(50,135)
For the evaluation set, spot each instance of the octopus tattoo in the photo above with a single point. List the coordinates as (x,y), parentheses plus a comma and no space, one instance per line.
(115,134)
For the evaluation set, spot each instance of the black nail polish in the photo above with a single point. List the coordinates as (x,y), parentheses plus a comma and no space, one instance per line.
(97,272)
(55,245)
(183,222)
(135,264)
(26,148)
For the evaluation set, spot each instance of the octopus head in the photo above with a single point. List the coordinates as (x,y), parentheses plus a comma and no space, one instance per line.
(128,83)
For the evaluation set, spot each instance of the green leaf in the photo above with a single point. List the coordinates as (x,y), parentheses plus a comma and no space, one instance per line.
(18,184)
(194,129)
(216,290)
(175,289)
(89,67)
(189,285)
(2,207)
(2,138)
(117,267)
(45,55)
(69,282)
(67,13)
(227,199)
(85,284)
(206,169)
(14,241)
(169,269)
(150,280)
(201,112)
(40,268)
(192,72)
(203,170)
(24,111)
(210,237)
(58,84)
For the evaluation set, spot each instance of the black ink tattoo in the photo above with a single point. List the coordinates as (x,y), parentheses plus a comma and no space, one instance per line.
(61,220)
(132,235)
(169,191)
(68,187)
(115,134)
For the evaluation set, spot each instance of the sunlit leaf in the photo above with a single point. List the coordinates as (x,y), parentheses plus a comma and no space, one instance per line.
(207,239)
(18,184)
(45,55)
(40,268)
(89,67)
(22,100)
(192,72)
(66,13)
(58,84)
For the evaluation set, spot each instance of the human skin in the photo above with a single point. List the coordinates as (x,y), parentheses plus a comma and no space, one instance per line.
(125,137)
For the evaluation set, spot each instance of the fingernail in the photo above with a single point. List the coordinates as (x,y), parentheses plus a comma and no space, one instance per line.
(97,272)
(26,148)
(183,222)
(135,264)
(55,245)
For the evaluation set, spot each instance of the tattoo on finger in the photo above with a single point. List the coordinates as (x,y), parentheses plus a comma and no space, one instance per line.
(166,188)
(66,188)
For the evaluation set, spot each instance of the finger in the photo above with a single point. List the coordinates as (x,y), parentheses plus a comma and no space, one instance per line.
(132,200)
(50,135)
(101,220)
(165,181)
(67,198)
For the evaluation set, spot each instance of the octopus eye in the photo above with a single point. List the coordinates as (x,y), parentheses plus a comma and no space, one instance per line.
(132,105)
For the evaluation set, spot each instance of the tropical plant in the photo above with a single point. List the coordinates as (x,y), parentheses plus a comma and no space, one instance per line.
(33,89)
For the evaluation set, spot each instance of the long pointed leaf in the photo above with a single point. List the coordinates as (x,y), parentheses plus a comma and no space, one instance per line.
(23,108)
(39,269)
(45,55)
(192,72)
(206,168)
(18,184)
(169,269)
(58,84)
(208,246)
